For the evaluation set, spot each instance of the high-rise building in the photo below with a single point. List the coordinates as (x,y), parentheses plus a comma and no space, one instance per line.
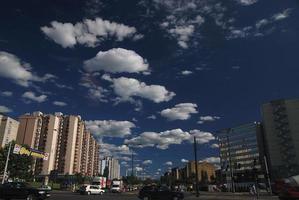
(8,130)
(113,167)
(242,152)
(280,119)
(85,152)
(70,146)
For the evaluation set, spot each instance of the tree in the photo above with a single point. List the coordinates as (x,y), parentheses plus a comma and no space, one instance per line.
(19,166)
(106,172)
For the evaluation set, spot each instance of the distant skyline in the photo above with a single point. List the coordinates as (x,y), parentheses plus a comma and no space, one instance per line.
(148,75)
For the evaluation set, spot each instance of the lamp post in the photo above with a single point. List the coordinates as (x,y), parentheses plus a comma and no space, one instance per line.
(196,167)
(6,163)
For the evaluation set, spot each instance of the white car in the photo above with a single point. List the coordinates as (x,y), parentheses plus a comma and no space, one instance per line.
(91,189)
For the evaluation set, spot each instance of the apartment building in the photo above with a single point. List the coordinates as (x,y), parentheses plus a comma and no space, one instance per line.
(70,146)
(8,130)
(113,167)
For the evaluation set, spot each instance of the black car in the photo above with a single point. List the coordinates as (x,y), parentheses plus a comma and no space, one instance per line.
(159,193)
(19,190)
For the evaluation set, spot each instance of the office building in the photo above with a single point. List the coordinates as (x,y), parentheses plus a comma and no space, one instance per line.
(280,119)
(242,152)
(8,130)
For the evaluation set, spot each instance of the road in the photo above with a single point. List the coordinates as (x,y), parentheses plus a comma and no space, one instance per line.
(62,195)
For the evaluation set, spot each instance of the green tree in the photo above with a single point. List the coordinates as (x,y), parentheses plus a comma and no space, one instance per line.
(106,172)
(19,166)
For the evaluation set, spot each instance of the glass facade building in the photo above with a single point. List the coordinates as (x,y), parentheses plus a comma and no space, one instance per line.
(241,152)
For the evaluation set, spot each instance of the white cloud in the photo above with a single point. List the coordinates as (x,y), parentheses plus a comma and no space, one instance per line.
(204,119)
(124,163)
(184,160)
(119,152)
(247,2)
(94,92)
(4,109)
(32,96)
(152,117)
(183,34)
(127,88)
(168,163)
(213,160)
(116,61)
(13,68)
(147,162)
(282,15)
(181,111)
(109,128)
(186,72)
(215,146)
(6,93)
(59,103)
(162,140)
(89,32)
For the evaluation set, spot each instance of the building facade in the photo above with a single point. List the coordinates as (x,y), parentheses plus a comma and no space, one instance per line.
(8,130)
(280,119)
(113,167)
(62,137)
(206,171)
(242,152)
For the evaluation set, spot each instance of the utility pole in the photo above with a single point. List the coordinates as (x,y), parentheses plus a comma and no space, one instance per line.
(132,172)
(196,167)
(268,175)
(6,163)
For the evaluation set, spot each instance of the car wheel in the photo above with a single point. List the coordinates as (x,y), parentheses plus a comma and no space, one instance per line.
(175,198)
(88,193)
(101,193)
(30,197)
(146,198)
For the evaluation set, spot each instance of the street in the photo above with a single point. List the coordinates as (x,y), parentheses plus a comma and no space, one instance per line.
(61,195)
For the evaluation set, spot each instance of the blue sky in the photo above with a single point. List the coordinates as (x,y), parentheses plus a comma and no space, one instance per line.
(150,74)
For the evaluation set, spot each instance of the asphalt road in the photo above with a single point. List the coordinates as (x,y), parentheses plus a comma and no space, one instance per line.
(127,196)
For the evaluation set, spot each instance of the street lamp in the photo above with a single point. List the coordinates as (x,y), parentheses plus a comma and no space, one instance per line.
(196,167)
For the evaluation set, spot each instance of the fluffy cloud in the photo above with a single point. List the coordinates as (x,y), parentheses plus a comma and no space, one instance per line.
(4,109)
(183,34)
(6,93)
(89,32)
(110,128)
(59,103)
(13,68)
(120,152)
(127,88)
(94,92)
(247,2)
(168,163)
(152,117)
(162,140)
(181,111)
(33,97)
(186,72)
(204,119)
(282,15)
(116,61)
(184,160)
(147,162)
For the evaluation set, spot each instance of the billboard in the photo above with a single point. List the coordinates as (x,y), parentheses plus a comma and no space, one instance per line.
(20,150)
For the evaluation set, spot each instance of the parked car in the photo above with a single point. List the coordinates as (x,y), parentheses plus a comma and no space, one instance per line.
(20,190)
(45,187)
(159,193)
(91,189)
(289,188)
